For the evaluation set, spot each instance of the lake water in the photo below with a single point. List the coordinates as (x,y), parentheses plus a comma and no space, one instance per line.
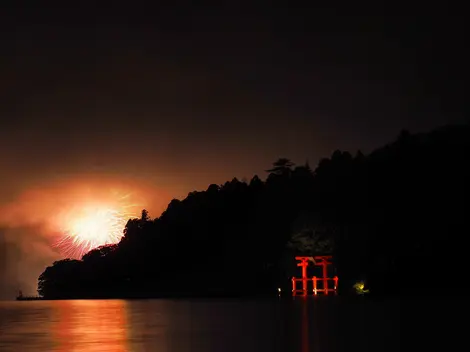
(302,324)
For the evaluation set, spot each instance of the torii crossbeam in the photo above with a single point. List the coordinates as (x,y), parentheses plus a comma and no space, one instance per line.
(322,261)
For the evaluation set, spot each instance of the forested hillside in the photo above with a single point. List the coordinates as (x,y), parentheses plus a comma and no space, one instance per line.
(393,217)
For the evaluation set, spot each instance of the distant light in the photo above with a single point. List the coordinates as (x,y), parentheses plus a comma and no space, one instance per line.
(360,288)
(279,289)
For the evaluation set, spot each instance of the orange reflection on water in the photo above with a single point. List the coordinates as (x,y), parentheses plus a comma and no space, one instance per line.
(305,326)
(90,326)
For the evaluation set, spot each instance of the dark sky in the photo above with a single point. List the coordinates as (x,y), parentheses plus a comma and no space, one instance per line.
(183,97)
(159,102)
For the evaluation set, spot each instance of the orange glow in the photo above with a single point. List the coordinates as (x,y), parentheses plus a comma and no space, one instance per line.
(76,214)
(91,224)
(90,326)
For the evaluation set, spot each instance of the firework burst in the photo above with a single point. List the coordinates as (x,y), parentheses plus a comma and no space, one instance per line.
(94,224)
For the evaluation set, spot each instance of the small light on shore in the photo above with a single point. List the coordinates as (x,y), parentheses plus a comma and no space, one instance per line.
(279,289)
(360,288)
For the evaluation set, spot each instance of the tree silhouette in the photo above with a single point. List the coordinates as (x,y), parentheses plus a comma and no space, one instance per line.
(281,167)
(145,216)
(385,216)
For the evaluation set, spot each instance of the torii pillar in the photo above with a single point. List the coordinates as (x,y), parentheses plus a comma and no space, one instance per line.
(303,264)
(324,261)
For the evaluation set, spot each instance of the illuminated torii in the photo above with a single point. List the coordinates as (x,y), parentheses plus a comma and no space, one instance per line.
(304,263)
(322,261)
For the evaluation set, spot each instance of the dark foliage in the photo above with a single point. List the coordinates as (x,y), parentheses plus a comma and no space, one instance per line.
(394,217)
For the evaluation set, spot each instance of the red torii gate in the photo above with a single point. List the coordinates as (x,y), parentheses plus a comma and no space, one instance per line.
(320,260)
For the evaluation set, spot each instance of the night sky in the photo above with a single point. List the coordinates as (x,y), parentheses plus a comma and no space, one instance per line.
(173,99)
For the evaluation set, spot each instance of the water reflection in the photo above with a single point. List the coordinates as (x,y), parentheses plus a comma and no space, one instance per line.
(302,325)
(314,335)
(305,326)
(89,326)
